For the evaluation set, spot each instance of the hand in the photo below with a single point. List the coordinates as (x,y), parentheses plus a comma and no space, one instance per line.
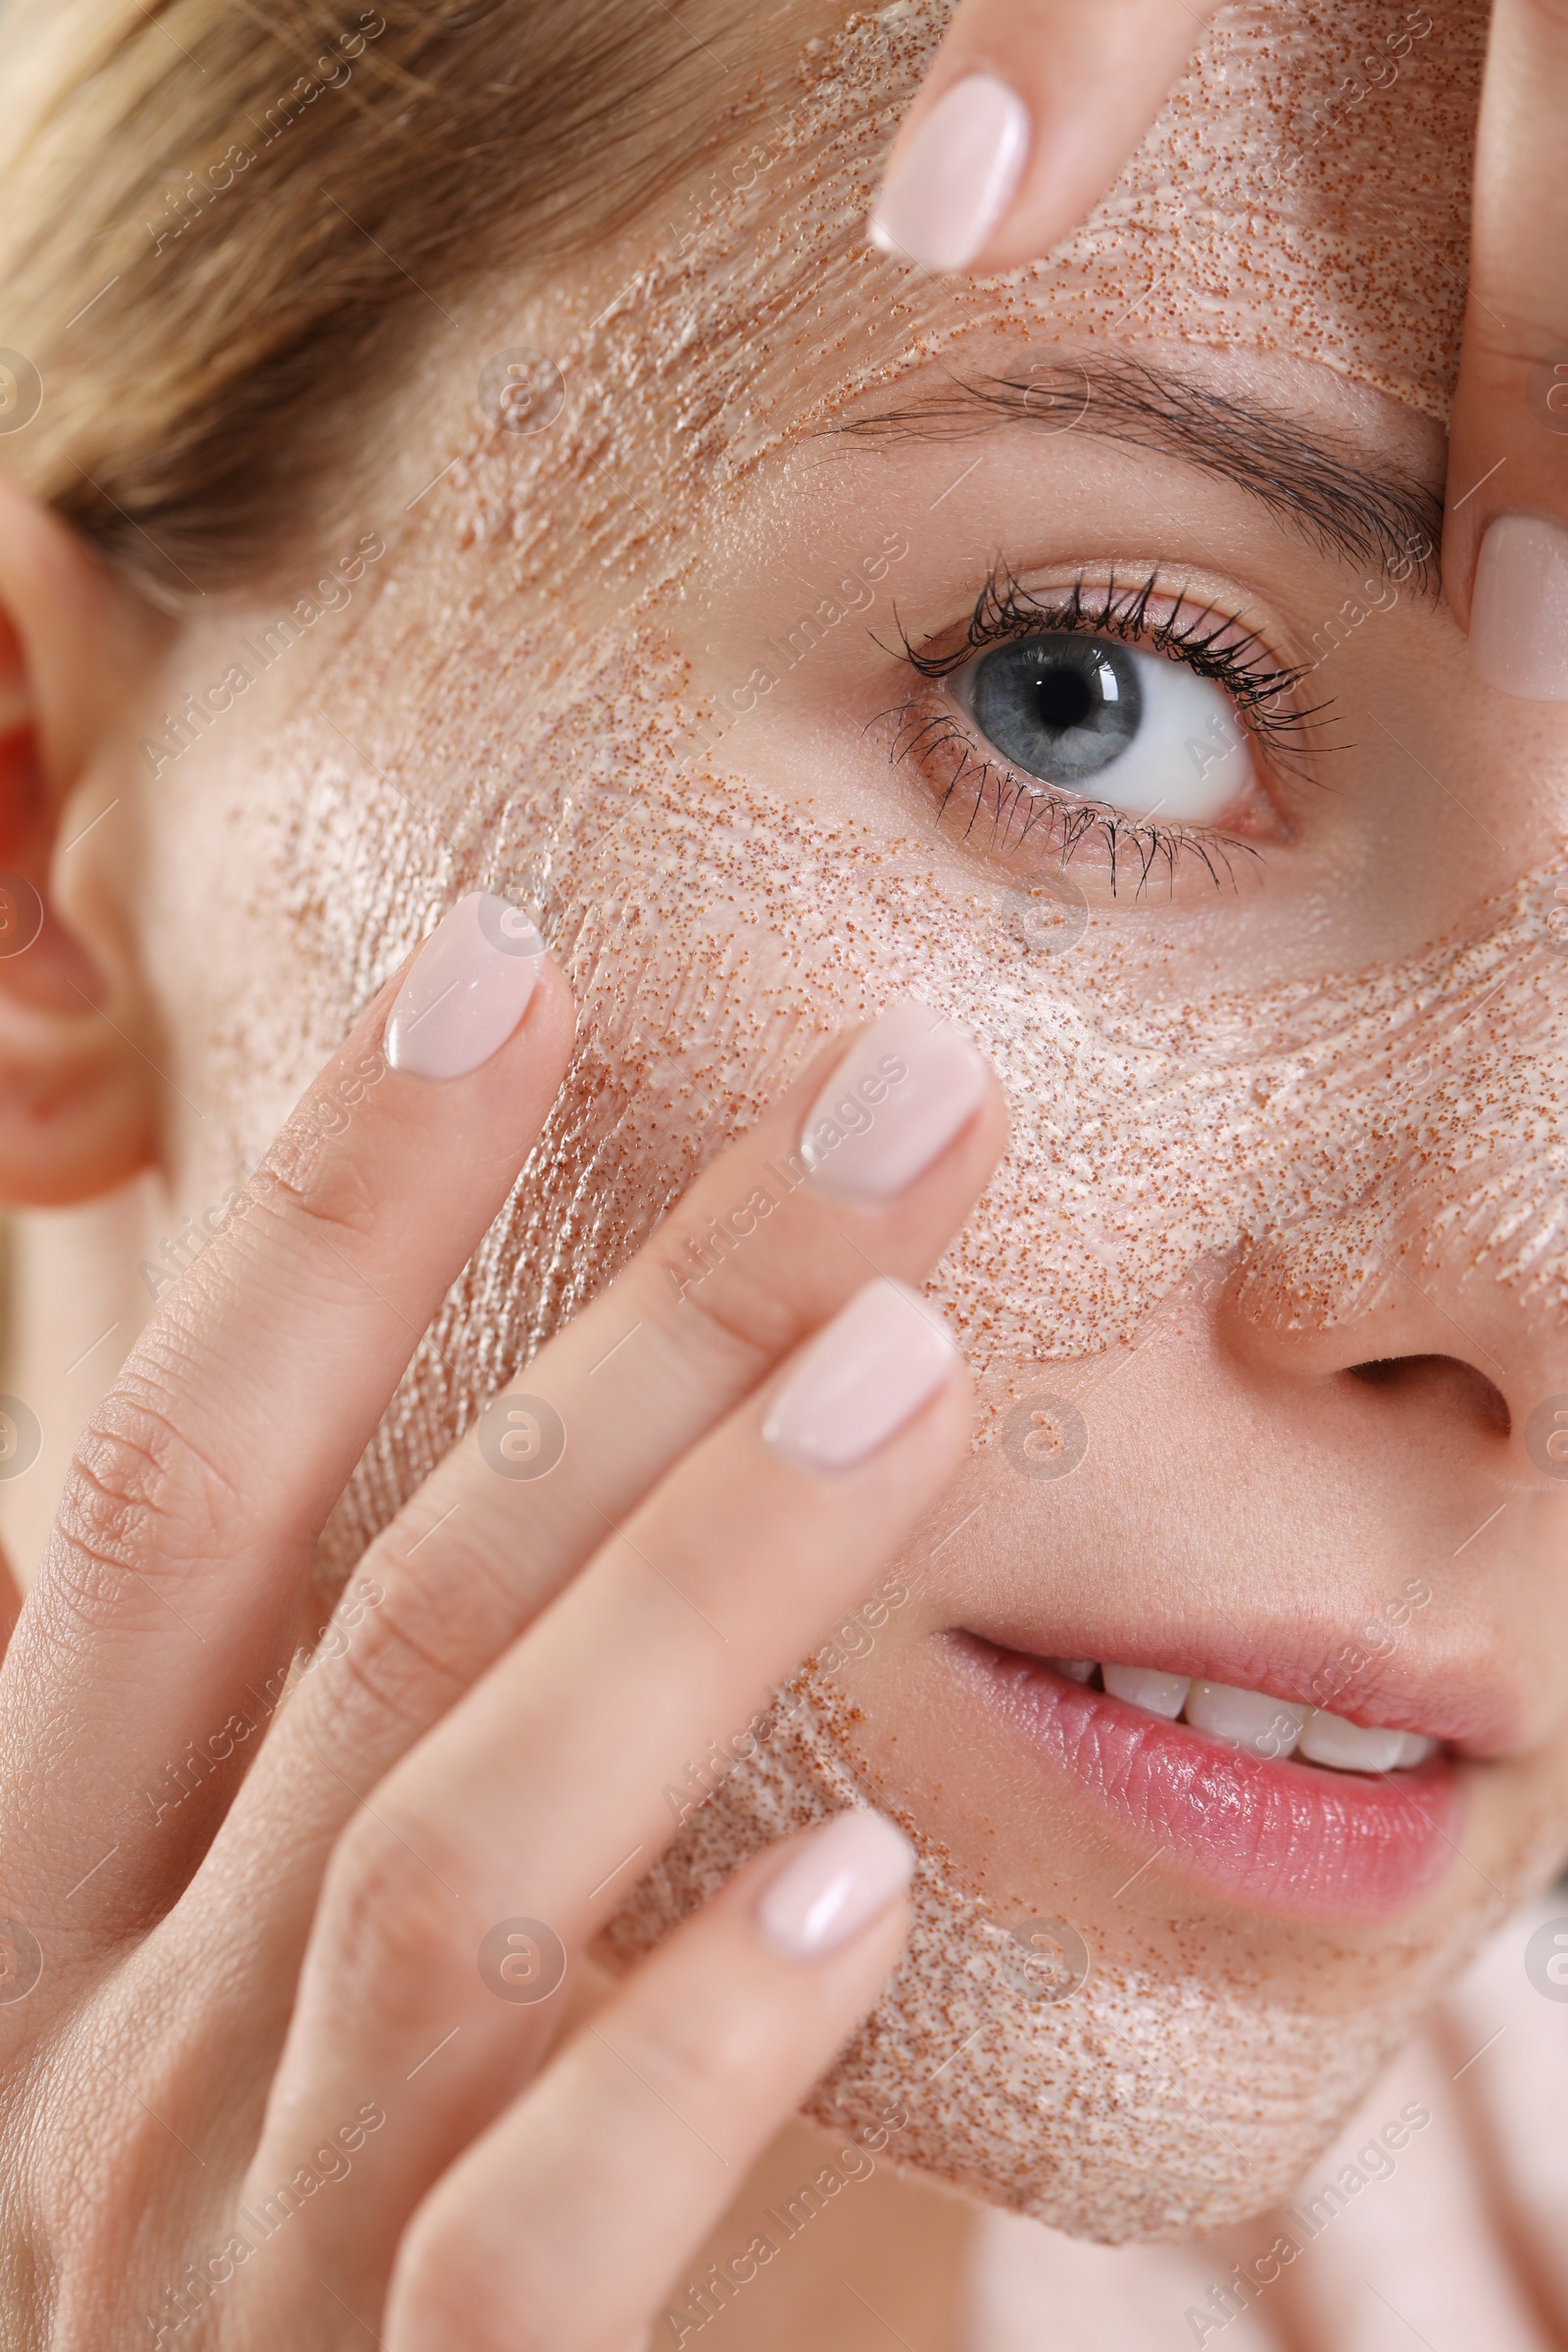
(284,1965)
(1032,107)
(1505,532)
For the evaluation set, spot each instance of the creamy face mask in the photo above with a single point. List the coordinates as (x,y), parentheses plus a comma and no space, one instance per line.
(1302,192)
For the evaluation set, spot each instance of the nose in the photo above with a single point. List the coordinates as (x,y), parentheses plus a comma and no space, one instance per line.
(1447,1330)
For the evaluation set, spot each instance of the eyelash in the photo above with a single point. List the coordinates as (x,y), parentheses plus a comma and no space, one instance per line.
(1203,638)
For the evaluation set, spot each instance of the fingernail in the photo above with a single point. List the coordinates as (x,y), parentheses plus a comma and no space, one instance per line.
(1519,614)
(881,1359)
(950,184)
(838,1880)
(895,1101)
(468,990)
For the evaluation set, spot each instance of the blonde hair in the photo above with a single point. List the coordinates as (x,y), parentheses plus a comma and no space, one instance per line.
(219,225)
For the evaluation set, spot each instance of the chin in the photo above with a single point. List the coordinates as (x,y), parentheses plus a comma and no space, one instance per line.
(1112,2099)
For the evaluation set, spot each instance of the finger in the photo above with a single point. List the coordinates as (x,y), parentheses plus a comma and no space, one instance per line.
(9,1599)
(1505,531)
(1029,112)
(545,1794)
(688,1331)
(187,1532)
(630,2146)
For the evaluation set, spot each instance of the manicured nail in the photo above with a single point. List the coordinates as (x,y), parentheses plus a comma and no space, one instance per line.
(895,1101)
(881,1359)
(1519,612)
(468,990)
(838,1880)
(950,184)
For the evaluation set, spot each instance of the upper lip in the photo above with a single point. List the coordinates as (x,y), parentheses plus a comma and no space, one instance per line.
(1464,1700)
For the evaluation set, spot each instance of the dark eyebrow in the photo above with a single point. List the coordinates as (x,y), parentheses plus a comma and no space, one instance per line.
(1320,488)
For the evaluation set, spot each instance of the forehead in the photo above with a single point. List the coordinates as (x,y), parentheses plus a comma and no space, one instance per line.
(1303,194)
(1305,189)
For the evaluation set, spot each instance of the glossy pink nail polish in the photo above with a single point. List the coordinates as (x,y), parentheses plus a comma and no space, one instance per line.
(865,1375)
(838,1880)
(1519,612)
(467,991)
(902,1093)
(950,184)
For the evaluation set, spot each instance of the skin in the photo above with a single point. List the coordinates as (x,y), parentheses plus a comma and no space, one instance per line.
(1092,94)
(462,637)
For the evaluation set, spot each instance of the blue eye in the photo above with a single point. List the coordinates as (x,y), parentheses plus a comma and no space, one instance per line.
(1131,730)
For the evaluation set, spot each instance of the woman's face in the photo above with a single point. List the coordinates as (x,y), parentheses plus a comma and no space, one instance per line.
(1065,654)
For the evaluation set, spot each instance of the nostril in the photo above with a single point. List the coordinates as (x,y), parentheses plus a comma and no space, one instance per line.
(1442,1381)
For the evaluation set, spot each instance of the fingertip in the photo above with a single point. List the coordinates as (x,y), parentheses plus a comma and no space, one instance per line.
(834,1883)
(1519,607)
(1024,120)
(551,1018)
(951,180)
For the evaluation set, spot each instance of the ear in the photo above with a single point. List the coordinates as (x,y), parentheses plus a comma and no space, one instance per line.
(76,1093)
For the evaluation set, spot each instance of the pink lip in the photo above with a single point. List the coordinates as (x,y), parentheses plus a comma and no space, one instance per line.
(1284,1837)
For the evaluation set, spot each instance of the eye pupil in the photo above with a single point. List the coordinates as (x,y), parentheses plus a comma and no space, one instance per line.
(1061,706)
(1063,698)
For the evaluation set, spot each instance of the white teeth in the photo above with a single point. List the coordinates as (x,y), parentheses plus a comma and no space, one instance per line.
(1351,1747)
(1273,1728)
(1146,1686)
(1267,1727)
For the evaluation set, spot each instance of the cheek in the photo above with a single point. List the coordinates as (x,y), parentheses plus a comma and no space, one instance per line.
(713,934)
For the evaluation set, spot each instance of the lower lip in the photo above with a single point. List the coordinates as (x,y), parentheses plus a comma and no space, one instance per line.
(1290,1839)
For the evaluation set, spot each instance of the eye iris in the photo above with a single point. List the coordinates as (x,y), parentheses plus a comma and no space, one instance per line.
(1061,705)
